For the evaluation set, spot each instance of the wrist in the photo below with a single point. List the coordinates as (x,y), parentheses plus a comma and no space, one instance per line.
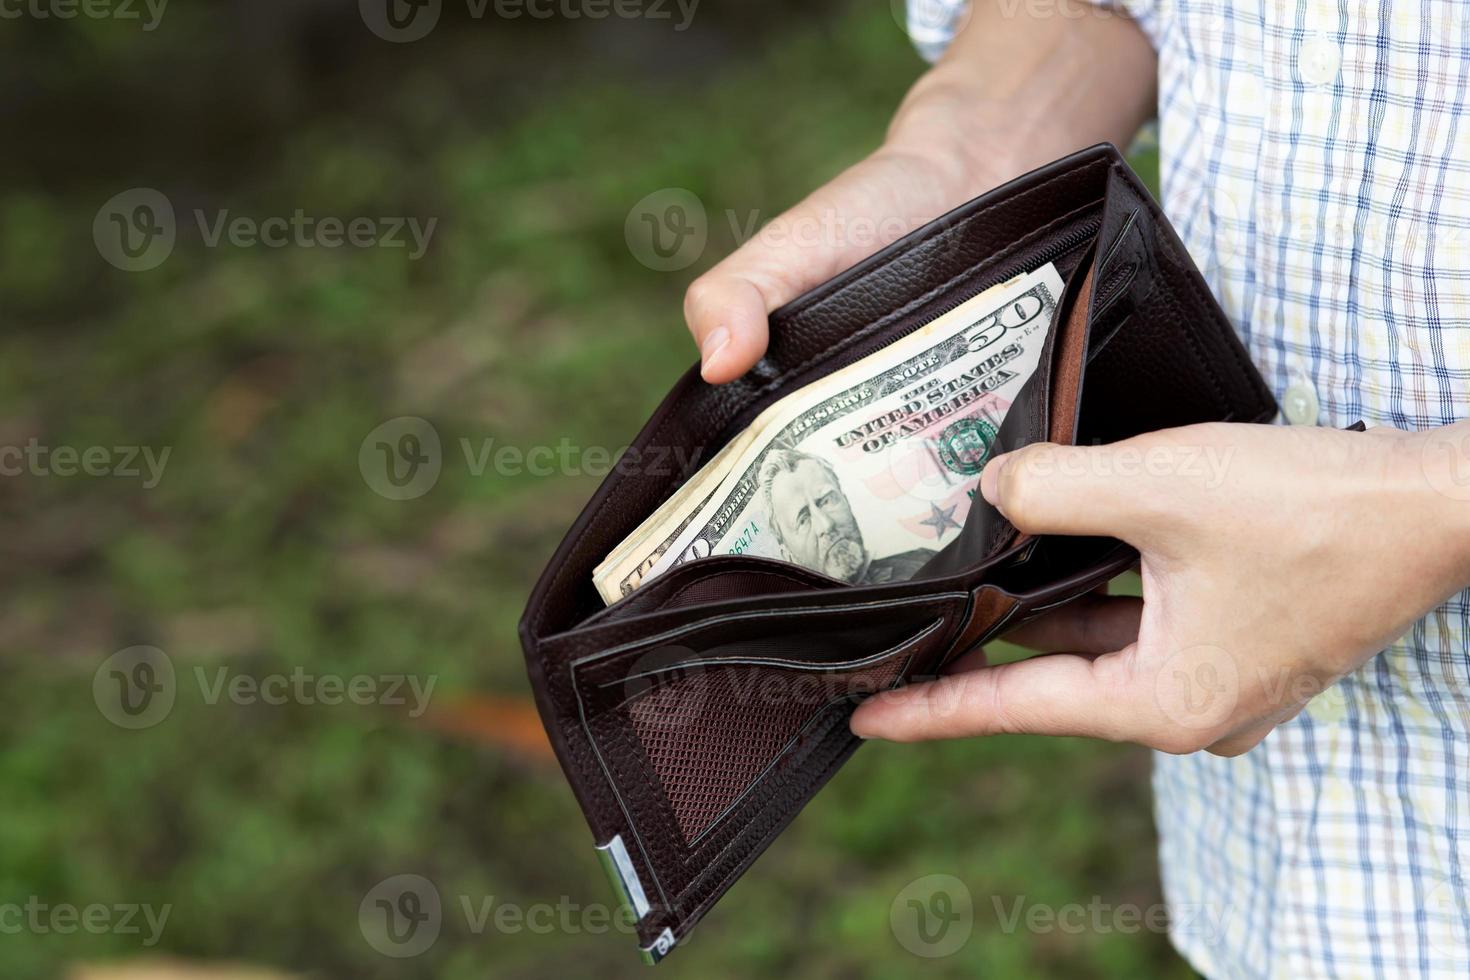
(947,121)
(1418,500)
(1440,465)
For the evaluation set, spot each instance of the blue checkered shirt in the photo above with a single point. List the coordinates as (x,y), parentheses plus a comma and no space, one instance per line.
(1315,158)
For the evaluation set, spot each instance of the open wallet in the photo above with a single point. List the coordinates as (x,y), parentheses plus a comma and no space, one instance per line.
(696,716)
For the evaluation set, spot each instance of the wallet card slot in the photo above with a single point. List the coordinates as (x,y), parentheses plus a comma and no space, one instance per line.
(670,663)
(708,659)
(819,639)
(708,731)
(699,728)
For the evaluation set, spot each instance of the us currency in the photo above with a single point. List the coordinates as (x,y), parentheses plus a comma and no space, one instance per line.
(636,554)
(867,473)
(625,567)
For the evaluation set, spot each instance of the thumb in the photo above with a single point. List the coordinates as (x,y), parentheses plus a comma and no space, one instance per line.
(1044,488)
(727,307)
(866,207)
(726,311)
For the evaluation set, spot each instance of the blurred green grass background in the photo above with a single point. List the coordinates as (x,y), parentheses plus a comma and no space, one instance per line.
(263,551)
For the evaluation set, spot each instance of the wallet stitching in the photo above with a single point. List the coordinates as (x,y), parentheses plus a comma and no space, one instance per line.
(617,794)
(859,664)
(629,802)
(934,602)
(1102,345)
(1107,260)
(1197,344)
(1191,328)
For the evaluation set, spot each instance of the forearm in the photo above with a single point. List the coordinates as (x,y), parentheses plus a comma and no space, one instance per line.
(1016,91)
(1011,94)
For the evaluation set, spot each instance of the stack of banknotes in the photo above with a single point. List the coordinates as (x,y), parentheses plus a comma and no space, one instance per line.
(867,473)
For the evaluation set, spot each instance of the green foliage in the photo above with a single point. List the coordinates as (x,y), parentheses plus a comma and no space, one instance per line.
(262,550)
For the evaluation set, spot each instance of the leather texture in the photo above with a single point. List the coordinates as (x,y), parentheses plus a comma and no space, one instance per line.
(695,717)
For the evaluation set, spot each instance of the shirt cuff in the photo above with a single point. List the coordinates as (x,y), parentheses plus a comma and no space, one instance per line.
(933,24)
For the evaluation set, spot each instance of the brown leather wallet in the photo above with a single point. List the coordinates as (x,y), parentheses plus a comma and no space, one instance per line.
(696,716)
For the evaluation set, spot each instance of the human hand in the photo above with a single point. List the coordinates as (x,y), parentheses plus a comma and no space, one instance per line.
(1011,94)
(899,188)
(1274,561)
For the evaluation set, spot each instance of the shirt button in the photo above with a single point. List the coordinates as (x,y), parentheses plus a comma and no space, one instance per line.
(1299,404)
(1318,60)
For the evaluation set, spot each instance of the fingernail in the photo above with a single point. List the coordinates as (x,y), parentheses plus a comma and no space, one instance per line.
(854,729)
(714,342)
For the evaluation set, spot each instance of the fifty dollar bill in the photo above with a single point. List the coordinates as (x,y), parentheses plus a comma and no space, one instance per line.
(866,473)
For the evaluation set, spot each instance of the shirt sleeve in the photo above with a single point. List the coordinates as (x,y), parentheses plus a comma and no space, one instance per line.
(933,24)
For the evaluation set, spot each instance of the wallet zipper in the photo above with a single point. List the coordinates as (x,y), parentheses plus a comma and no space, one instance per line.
(1079,237)
(1068,243)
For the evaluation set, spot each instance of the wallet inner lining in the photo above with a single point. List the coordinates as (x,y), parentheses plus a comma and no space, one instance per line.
(1063,388)
(1071,348)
